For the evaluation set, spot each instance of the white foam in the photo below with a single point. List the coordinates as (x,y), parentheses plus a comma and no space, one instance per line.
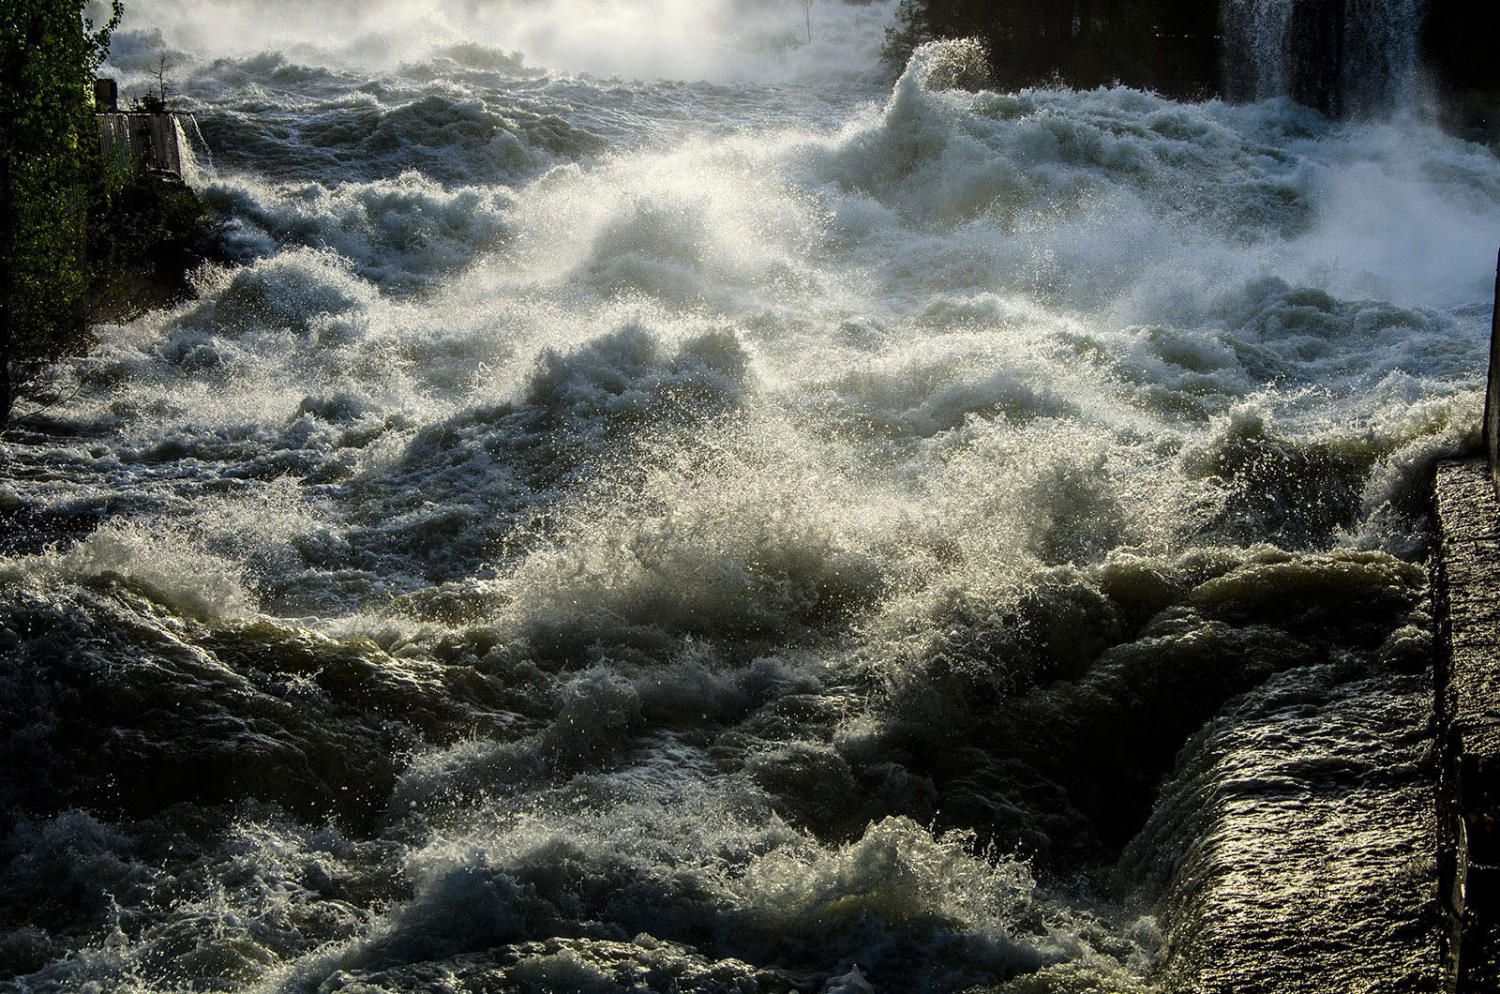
(165,561)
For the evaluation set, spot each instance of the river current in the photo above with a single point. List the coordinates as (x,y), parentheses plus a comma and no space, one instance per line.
(656,505)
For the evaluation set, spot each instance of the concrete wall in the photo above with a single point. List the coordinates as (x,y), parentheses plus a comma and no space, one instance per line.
(1466,590)
(1466,672)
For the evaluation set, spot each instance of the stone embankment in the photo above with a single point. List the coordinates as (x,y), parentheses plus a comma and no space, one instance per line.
(1466,595)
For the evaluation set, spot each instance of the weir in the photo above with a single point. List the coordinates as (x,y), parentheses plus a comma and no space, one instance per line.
(1466,576)
(145,139)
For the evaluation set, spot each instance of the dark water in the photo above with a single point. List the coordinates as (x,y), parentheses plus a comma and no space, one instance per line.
(753,528)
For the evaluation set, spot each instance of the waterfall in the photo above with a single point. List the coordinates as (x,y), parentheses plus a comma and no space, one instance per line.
(1348,58)
(1255,40)
(1379,70)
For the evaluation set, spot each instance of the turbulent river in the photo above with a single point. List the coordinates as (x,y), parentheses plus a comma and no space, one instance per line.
(657,505)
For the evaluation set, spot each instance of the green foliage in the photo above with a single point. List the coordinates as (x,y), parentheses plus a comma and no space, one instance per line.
(144,237)
(910,32)
(49,52)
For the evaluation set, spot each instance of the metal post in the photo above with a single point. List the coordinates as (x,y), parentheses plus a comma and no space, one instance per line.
(1492,391)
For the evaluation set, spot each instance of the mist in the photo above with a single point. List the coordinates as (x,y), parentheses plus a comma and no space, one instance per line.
(720,40)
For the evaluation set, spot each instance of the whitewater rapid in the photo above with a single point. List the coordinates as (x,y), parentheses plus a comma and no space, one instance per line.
(667,507)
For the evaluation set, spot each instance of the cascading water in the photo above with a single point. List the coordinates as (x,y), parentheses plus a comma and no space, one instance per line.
(1380,69)
(1257,34)
(738,525)
(1353,58)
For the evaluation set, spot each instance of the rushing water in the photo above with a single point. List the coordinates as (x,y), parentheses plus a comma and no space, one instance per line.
(655,506)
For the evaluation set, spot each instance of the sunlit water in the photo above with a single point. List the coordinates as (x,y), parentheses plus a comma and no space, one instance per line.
(755,528)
